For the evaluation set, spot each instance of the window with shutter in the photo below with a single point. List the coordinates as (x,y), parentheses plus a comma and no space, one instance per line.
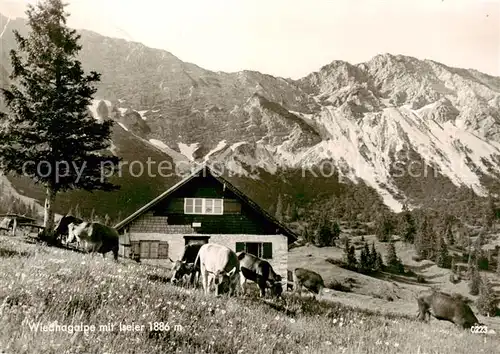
(153,250)
(267,250)
(163,250)
(145,249)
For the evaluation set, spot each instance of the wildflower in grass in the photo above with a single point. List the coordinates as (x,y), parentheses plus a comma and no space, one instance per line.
(277,318)
(292,320)
(396,345)
(328,342)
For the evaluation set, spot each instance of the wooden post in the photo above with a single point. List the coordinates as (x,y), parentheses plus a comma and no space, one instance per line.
(14,227)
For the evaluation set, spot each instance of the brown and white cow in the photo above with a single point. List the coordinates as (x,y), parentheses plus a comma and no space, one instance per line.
(185,266)
(308,279)
(95,237)
(219,264)
(261,272)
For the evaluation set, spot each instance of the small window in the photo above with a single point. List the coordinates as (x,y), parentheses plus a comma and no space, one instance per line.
(217,206)
(198,206)
(203,206)
(163,250)
(149,249)
(189,206)
(209,206)
(262,250)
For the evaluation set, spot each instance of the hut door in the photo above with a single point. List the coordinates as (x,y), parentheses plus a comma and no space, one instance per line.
(188,240)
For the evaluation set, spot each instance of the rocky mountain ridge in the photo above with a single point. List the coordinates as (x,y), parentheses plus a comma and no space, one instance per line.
(370,120)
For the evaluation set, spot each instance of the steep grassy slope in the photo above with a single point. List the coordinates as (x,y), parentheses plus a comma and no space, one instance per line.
(49,286)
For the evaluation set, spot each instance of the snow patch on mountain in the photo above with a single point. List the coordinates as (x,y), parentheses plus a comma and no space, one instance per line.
(188,150)
(123,126)
(5,27)
(169,151)
(142,113)
(220,146)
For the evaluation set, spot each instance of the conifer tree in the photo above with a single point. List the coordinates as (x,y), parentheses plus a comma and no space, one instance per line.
(384,227)
(486,303)
(369,263)
(335,232)
(373,256)
(443,258)
(474,281)
(352,262)
(424,239)
(392,260)
(379,263)
(408,228)
(363,261)
(48,134)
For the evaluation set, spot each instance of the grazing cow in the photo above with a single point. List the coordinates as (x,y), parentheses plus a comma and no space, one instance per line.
(220,264)
(95,237)
(61,228)
(446,307)
(308,279)
(185,266)
(261,272)
(61,231)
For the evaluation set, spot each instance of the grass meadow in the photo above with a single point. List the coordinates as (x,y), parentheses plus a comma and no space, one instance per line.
(49,286)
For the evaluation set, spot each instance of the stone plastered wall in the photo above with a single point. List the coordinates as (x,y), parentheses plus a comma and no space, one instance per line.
(280,248)
(176,243)
(155,228)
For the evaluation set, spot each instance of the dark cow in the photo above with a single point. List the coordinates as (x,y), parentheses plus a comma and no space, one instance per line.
(95,237)
(61,228)
(308,279)
(185,266)
(446,307)
(219,264)
(261,272)
(61,231)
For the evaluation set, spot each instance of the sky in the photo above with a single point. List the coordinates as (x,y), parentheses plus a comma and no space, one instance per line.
(292,38)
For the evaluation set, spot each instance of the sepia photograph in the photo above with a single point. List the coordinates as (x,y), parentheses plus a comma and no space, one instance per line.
(239,177)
